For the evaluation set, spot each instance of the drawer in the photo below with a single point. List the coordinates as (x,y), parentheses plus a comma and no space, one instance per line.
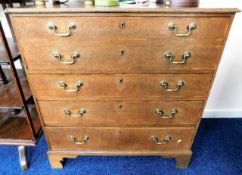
(120,113)
(131,86)
(120,139)
(120,27)
(126,58)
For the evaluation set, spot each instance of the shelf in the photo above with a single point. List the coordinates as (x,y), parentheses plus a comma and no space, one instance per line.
(14,50)
(14,130)
(10,97)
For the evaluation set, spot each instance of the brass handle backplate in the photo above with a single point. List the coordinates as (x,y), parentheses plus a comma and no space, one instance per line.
(161,113)
(158,141)
(173,28)
(164,84)
(77,114)
(63,85)
(170,57)
(53,28)
(78,142)
(74,56)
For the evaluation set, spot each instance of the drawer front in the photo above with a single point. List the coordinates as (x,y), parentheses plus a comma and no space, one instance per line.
(131,86)
(37,27)
(120,113)
(120,139)
(124,58)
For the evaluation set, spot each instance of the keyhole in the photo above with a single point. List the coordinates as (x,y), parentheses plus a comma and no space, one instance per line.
(122,24)
(121,81)
(120,108)
(122,52)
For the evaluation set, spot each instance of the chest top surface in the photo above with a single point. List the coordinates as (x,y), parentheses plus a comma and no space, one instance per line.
(79,7)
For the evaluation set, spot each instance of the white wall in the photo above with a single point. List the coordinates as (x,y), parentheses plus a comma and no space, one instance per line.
(225,99)
(226,96)
(4,24)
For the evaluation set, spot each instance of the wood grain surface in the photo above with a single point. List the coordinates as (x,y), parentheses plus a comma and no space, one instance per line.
(135,27)
(120,86)
(120,93)
(107,57)
(102,138)
(120,113)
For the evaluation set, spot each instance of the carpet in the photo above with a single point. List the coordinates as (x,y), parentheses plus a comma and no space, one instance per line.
(217,151)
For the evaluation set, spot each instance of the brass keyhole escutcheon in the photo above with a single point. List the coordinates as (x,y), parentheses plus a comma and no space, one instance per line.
(122,52)
(122,25)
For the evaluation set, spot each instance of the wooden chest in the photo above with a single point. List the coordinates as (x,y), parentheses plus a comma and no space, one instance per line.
(121,81)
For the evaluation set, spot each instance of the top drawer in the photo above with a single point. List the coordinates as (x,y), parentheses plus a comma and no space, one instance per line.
(157,28)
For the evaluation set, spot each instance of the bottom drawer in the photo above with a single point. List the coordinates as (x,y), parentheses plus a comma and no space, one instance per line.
(120,139)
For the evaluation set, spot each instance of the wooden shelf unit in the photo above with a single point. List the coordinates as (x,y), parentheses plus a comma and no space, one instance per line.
(9,94)
(19,122)
(19,129)
(14,51)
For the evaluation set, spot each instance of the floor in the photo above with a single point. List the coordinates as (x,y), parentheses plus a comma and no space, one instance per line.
(217,151)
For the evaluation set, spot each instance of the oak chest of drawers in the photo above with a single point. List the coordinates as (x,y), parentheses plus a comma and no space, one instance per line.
(120,81)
